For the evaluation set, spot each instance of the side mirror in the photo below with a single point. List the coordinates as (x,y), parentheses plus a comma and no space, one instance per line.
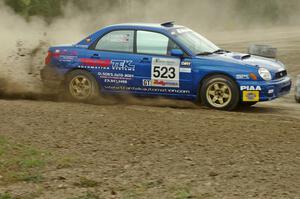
(177,53)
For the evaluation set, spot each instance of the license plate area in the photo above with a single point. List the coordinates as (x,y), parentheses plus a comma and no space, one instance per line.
(250,96)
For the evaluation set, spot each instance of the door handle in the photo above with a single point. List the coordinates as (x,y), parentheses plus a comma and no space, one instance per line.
(95,56)
(145,60)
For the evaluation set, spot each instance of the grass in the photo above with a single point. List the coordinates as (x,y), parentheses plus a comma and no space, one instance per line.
(29,177)
(65,162)
(86,183)
(28,196)
(5,196)
(183,194)
(21,163)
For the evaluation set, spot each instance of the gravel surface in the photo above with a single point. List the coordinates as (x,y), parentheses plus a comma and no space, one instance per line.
(161,148)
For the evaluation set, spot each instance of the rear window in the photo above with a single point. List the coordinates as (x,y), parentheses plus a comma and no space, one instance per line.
(119,41)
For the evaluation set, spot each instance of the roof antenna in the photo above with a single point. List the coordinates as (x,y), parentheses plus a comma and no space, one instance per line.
(168,24)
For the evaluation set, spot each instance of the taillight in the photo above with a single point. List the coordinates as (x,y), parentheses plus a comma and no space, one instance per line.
(48,58)
(56,54)
(51,55)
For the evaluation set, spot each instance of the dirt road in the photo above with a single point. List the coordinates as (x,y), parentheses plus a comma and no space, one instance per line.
(154,149)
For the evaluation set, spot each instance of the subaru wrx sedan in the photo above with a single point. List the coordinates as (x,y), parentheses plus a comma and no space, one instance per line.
(164,60)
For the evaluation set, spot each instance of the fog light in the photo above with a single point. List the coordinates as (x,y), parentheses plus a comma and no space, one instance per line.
(271,91)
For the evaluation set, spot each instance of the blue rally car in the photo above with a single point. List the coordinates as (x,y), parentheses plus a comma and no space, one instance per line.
(163,60)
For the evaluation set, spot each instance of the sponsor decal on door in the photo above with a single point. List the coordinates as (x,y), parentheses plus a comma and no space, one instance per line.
(165,72)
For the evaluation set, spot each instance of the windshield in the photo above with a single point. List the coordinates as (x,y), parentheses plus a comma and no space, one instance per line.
(194,41)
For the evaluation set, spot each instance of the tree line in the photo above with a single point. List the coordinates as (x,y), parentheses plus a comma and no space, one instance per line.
(49,9)
(251,10)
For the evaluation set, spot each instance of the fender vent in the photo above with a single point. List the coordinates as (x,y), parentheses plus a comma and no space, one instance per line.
(245,57)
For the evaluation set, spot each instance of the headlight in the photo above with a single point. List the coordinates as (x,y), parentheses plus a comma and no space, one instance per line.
(265,74)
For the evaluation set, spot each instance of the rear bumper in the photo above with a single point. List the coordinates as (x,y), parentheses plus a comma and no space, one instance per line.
(269,90)
(51,77)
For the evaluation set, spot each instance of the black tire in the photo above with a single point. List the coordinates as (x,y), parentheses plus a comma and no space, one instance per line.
(232,87)
(90,94)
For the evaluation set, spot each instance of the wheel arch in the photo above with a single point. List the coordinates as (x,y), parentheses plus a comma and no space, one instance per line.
(94,86)
(74,69)
(81,69)
(236,91)
(208,75)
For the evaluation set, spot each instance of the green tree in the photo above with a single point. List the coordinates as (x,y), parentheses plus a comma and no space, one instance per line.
(53,8)
(45,8)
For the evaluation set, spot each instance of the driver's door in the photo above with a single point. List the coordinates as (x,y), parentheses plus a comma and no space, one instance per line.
(157,71)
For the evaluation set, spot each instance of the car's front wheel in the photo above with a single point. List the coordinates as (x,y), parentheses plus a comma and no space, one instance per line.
(219,92)
(81,86)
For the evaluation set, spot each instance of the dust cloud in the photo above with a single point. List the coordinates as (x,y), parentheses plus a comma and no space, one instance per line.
(24,42)
(24,47)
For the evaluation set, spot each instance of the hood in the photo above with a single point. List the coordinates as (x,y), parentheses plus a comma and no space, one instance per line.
(272,65)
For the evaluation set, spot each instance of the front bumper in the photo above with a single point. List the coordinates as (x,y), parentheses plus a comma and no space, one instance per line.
(268,90)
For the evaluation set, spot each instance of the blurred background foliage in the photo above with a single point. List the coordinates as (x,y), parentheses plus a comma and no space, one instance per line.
(277,11)
(45,8)
(50,9)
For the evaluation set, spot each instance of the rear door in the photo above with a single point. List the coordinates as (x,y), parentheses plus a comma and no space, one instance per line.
(111,60)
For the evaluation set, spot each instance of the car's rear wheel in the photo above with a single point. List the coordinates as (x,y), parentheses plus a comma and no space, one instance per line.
(81,86)
(219,92)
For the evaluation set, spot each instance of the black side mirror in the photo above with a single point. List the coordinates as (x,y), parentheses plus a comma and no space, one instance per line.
(177,53)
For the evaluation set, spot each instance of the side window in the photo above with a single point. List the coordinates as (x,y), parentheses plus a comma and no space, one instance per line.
(154,43)
(120,41)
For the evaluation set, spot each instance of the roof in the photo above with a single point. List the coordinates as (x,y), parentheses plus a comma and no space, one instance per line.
(165,27)
(145,25)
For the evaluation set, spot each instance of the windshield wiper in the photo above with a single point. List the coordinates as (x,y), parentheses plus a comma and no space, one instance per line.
(205,53)
(220,51)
